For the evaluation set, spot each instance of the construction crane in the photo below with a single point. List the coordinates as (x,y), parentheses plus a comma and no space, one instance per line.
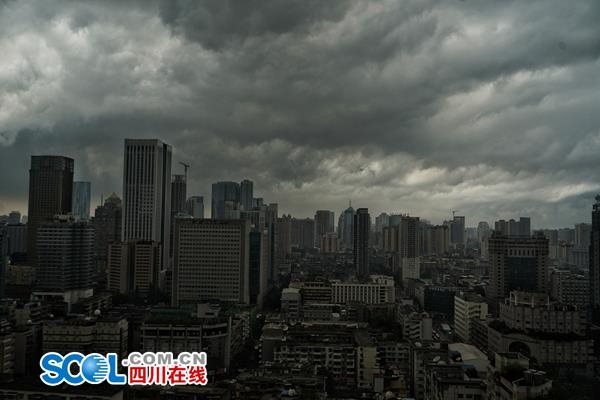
(185,168)
(453,213)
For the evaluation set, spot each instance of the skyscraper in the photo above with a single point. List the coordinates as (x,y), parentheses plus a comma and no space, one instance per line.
(595,262)
(195,206)
(147,193)
(211,260)
(3,261)
(225,197)
(513,228)
(178,194)
(303,233)
(362,230)
(50,194)
(457,231)
(524,226)
(134,267)
(381,221)
(409,248)
(346,228)
(107,226)
(246,195)
(65,257)
(82,192)
(14,217)
(324,223)
(17,239)
(583,233)
(517,263)
(258,264)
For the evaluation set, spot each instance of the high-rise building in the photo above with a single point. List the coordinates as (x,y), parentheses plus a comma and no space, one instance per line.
(409,248)
(107,226)
(195,206)
(583,233)
(134,267)
(594,272)
(483,234)
(65,250)
(17,239)
(246,195)
(517,263)
(178,194)
(514,228)
(258,264)
(147,193)
(211,261)
(346,228)
(381,221)
(324,223)
(225,196)
(3,262)
(284,237)
(50,194)
(82,194)
(483,231)
(271,212)
(467,307)
(178,203)
(303,233)
(362,230)
(524,226)
(14,217)
(403,241)
(435,240)
(329,243)
(457,231)
(567,287)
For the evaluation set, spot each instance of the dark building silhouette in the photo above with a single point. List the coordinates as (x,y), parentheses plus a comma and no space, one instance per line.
(517,263)
(224,194)
(324,223)
(50,194)
(107,226)
(65,250)
(595,261)
(246,194)
(362,230)
(178,194)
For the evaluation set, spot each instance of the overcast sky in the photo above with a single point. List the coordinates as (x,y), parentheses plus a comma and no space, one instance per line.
(491,108)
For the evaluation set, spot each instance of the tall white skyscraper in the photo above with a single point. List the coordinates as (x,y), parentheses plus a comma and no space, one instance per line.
(147,193)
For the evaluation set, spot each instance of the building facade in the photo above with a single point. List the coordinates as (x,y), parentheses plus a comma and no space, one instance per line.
(50,194)
(362,231)
(211,260)
(82,195)
(147,193)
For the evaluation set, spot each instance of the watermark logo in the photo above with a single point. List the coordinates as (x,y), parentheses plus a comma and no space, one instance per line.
(75,368)
(161,368)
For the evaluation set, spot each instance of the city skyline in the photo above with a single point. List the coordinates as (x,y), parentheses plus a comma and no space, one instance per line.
(488,110)
(471,222)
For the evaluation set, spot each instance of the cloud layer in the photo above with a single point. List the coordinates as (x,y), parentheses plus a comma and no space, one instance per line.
(489,108)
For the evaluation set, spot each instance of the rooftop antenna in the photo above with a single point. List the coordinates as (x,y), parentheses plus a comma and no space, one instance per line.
(185,168)
(454,212)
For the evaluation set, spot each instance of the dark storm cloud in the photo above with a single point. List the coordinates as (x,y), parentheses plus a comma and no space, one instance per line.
(420,106)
